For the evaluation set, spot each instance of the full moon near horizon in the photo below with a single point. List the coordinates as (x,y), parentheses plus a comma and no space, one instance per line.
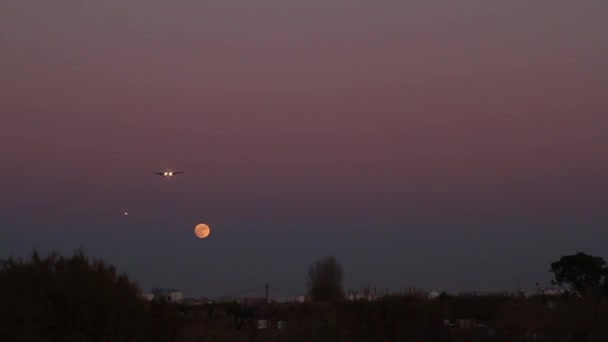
(202,230)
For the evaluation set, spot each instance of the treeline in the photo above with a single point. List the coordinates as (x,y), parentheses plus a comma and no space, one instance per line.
(55,298)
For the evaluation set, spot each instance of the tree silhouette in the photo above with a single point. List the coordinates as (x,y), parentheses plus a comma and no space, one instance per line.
(57,298)
(579,272)
(325,280)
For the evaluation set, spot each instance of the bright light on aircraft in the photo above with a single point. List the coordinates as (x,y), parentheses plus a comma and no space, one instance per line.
(168,173)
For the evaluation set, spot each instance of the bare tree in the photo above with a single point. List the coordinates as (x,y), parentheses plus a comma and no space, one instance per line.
(325,280)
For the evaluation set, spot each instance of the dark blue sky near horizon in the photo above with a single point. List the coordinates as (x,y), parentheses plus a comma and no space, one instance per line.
(444,145)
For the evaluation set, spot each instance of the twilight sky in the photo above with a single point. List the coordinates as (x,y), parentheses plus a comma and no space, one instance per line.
(448,145)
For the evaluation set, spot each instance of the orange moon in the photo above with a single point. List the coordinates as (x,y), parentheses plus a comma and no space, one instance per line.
(202,230)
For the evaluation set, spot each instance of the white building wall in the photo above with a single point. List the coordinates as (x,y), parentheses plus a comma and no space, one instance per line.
(176,297)
(147,296)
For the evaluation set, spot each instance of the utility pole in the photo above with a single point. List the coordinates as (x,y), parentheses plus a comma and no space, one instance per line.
(266,293)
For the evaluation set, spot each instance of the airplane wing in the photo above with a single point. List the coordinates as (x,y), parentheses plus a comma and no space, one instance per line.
(158,173)
(177,173)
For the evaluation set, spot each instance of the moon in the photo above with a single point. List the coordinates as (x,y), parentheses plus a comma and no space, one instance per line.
(202,230)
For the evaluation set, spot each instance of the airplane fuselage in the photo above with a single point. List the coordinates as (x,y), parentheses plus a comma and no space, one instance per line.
(168,174)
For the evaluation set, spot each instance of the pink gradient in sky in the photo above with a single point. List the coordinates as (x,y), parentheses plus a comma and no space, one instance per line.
(305,111)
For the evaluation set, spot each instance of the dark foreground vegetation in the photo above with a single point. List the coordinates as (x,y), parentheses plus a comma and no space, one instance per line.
(406,317)
(76,299)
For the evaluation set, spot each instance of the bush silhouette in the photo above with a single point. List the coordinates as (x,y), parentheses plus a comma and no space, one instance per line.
(69,299)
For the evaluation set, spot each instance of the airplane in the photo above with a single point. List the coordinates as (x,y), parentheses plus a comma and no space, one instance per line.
(167,174)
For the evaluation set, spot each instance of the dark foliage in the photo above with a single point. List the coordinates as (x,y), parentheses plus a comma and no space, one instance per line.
(580,273)
(404,317)
(77,299)
(392,318)
(69,299)
(555,318)
(325,280)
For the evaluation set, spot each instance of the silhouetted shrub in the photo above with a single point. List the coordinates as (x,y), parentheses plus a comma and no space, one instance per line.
(69,299)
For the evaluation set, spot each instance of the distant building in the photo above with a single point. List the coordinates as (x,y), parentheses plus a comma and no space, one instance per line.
(197,301)
(252,301)
(549,291)
(224,299)
(466,323)
(147,296)
(262,324)
(169,295)
(290,299)
(486,294)
(361,296)
(543,291)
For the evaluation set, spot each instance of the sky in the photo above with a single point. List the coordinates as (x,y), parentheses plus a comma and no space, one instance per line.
(446,145)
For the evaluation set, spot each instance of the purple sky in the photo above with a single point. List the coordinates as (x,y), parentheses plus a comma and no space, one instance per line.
(453,145)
